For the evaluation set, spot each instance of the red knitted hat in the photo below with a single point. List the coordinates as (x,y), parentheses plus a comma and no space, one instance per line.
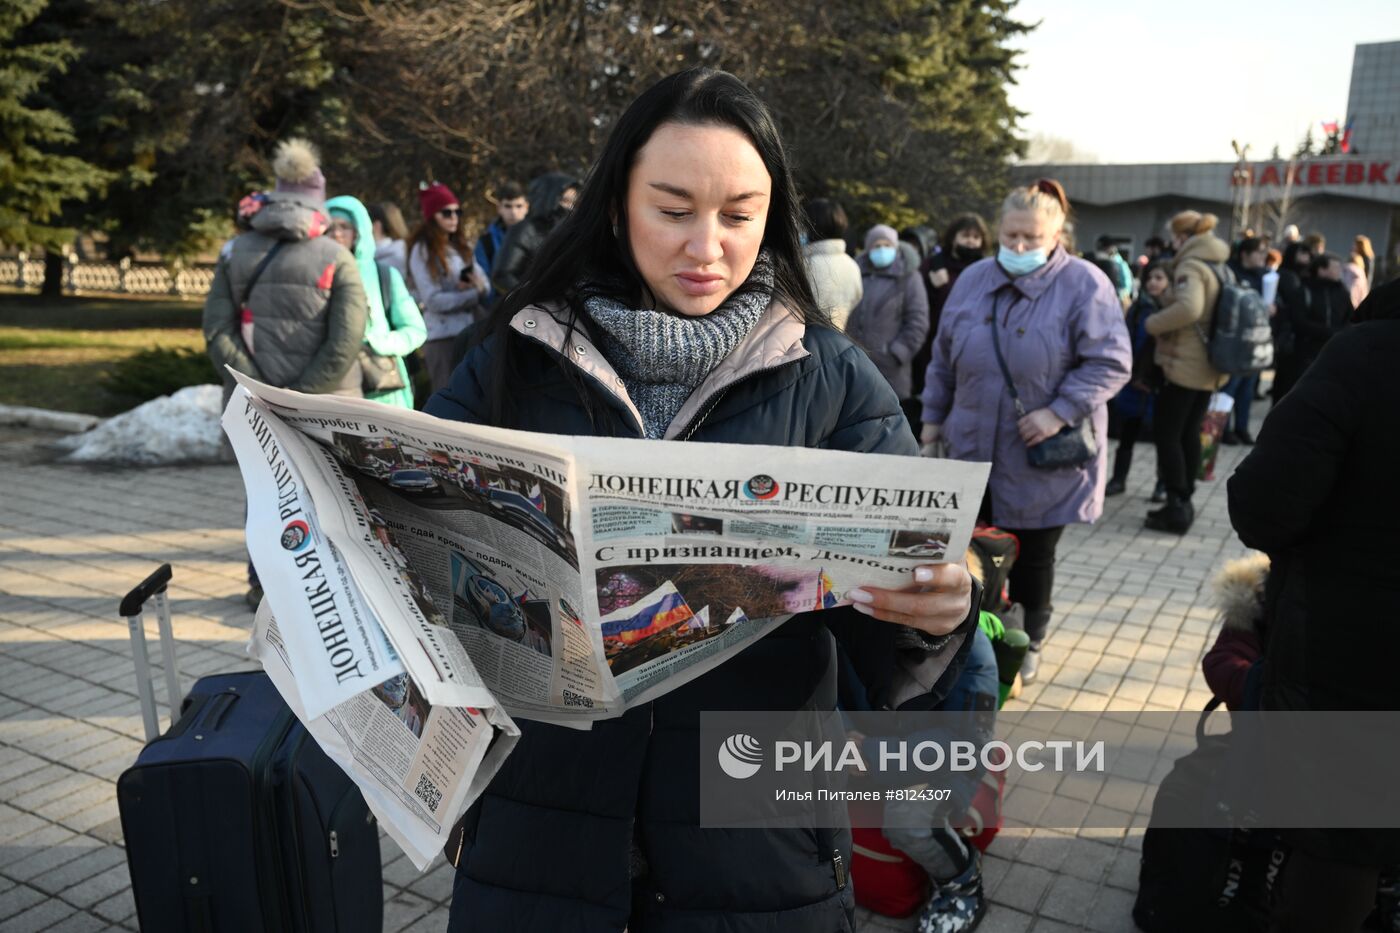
(434,197)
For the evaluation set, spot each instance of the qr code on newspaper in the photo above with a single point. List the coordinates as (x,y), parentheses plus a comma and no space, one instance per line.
(428,792)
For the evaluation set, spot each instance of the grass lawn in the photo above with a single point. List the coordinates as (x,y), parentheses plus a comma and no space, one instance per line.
(55,351)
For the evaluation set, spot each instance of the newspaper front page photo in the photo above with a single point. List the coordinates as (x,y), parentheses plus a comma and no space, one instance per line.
(427,583)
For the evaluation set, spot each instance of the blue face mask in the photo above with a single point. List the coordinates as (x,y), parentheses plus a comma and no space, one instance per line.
(882,257)
(1021,263)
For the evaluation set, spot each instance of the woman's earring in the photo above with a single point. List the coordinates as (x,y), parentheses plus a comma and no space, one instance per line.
(614,231)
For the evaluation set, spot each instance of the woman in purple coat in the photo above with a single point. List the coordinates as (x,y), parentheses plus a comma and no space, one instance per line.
(1061,331)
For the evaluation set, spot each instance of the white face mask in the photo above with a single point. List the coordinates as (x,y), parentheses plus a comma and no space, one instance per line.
(1021,263)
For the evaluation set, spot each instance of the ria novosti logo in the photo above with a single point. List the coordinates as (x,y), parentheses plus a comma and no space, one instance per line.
(740,756)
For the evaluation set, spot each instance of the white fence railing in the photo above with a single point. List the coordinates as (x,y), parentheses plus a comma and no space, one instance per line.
(124,277)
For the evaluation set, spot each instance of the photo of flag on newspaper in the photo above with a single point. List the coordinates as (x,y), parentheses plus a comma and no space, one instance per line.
(659,611)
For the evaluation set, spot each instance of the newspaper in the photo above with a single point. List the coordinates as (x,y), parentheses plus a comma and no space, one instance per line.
(419,766)
(560,579)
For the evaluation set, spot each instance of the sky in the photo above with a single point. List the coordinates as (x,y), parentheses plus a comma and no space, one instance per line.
(1160,80)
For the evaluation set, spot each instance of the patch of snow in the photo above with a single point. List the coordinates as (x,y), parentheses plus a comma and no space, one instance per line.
(179,428)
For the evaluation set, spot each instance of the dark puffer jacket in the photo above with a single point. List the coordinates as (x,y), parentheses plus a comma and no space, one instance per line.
(1323,312)
(309,306)
(511,265)
(1316,493)
(547,846)
(1318,485)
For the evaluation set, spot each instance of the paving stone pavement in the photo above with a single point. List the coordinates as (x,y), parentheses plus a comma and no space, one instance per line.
(1132,621)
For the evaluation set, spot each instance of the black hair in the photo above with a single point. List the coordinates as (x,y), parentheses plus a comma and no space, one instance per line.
(1251,244)
(588,253)
(390,218)
(509,191)
(1321,261)
(1290,255)
(967,222)
(922,238)
(827,219)
(1154,242)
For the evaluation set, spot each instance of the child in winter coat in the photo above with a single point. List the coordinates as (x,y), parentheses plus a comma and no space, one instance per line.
(1234,664)
(1133,404)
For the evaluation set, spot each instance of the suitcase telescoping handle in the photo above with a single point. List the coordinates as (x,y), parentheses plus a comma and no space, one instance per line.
(152,590)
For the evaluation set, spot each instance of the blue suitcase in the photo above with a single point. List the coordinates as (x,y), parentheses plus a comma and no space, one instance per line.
(235,820)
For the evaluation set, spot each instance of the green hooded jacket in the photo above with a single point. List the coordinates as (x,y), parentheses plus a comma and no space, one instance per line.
(398,330)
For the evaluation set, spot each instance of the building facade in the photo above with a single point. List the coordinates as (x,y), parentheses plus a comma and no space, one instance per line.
(1338,196)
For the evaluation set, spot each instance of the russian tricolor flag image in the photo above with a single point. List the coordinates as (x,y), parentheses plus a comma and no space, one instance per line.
(826,598)
(660,610)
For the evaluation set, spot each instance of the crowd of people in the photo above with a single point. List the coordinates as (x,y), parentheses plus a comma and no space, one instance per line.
(607,306)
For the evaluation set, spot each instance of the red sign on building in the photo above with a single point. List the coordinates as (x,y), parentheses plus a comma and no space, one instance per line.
(1319,173)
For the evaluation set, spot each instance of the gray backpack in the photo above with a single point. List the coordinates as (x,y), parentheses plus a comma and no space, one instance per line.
(1241,342)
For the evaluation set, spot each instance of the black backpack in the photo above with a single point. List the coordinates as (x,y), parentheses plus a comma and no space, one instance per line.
(1241,338)
(990,556)
(1204,880)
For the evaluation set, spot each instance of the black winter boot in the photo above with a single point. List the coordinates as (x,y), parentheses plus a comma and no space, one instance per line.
(1122,463)
(957,906)
(1176,517)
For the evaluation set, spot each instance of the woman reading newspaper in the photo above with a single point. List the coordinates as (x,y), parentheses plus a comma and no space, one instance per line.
(683,254)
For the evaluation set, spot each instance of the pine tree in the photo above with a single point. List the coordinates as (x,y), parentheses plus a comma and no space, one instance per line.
(37,176)
(925,128)
(182,102)
(897,107)
(1307,145)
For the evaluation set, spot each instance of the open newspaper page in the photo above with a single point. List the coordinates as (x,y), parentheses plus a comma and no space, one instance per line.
(694,551)
(419,766)
(461,538)
(578,576)
(333,640)
(432,579)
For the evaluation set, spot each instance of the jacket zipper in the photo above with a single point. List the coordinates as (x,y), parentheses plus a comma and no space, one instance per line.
(713,401)
(564,358)
(839,866)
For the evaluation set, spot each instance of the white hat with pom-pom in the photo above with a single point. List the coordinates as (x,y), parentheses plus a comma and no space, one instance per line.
(298,169)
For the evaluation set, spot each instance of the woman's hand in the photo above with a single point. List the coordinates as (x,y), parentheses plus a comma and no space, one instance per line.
(475,279)
(1039,425)
(936,602)
(928,437)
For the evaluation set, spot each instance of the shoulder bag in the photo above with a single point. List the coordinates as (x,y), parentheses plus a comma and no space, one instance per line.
(379,373)
(1073,446)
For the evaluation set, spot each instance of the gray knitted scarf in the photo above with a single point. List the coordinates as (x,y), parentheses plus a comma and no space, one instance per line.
(662,357)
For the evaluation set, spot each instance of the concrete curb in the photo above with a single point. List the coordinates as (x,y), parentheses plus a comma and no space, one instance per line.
(65,421)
